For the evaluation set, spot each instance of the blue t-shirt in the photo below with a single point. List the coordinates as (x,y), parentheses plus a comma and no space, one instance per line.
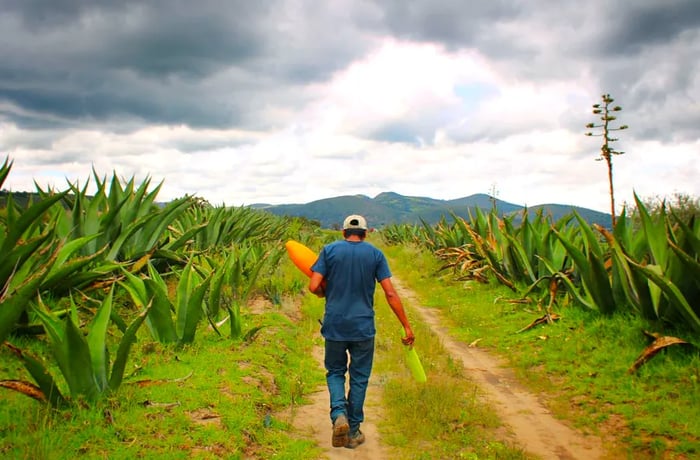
(352,270)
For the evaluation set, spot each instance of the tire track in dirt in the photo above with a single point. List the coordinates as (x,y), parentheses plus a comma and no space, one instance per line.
(532,425)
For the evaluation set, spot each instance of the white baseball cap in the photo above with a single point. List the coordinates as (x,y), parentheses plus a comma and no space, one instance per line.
(355,221)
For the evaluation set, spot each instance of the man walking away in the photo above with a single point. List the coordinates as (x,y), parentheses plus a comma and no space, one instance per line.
(346,274)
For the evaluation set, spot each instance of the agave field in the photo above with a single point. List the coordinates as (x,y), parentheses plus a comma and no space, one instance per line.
(649,268)
(84,276)
(73,267)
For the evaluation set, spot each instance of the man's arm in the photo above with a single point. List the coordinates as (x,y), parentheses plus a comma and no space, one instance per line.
(316,284)
(392,298)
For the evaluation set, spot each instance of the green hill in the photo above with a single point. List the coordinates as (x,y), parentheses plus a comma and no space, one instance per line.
(391,208)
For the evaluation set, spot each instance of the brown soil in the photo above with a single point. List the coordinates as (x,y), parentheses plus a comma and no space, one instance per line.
(529,423)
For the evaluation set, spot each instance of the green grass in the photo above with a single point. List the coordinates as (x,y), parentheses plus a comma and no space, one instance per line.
(579,364)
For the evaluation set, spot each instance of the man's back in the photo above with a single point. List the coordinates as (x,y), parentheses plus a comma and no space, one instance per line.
(351,270)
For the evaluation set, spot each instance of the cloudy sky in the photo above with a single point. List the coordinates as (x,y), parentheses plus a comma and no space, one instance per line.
(289,101)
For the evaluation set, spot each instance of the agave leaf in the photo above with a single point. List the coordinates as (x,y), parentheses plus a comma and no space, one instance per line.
(91,218)
(28,218)
(136,288)
(26,388)
(673,294)
(185,238)
(65,275)
(190,317)
(14,302)
(122,355)
(15,265)
(654,289)
(41,376)
(649,352)
(253,276)
(183,292)
(79,373)
(571,288)
(600,285)
(131,228)
(635,286)
(523,259)
(142,262)
(177,258)
(164,218)
(5,170)
(97,342)
(250,335)
(160,319)
(655,233)
(235,321)
(594,277)
(691,264)
(52,324)
(70,357)
(215,290)
(592,245)
(692,240)
(69,248)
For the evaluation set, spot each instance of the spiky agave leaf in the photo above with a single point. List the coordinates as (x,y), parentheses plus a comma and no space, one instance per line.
(41,376)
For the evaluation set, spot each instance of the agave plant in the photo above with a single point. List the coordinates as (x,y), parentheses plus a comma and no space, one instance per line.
(28,252)
(123,218)
(659,273)
(83,360)
(234,281)
(19,290)
(187,308)
(226,226)
(589,259)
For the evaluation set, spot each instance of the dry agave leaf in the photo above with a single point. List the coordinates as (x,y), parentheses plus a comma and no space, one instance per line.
(659,343)
(547,318)
(25,388)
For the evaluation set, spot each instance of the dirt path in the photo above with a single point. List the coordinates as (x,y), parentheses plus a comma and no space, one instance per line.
(531,426)
(312,420)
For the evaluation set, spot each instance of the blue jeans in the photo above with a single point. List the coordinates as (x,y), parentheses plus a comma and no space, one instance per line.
(336,361)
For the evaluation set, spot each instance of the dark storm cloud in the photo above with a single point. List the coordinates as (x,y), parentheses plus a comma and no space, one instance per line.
(451,22)
(635,25)
(206,63)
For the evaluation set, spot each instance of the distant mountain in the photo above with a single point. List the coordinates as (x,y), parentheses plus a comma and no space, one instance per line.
(391,208)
